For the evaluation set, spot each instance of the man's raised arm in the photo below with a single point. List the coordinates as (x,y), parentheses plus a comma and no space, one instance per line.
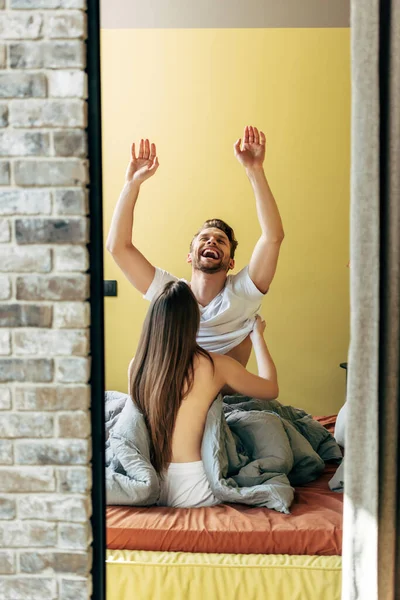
(264,259)
(134,265)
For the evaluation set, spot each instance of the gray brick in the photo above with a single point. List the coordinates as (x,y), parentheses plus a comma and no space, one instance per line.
(25,315)
(7,562)
(73,536)
(73,370)
(14,26)
(71,258)
(26,425)
(55,562)
(68,315)
(5,342)
(7,508)
(38,287)
(70,202)
(4,172)
(27,479)
(25,202)
(52,398)
(5,231)
(5,398)
(51,231)
(67,84)
(32,4)
(51,452)
(50,342)
(23,260)
(47,55)
(66,25)
(75,589)
(24,143)
(28,588)
(56,508)
(3,115)
(22,85)
(5,287)
(70,143)
(48,113)
(68,171)
(74,425)
(27,534)
(74,480)
(6,453)
(26,369)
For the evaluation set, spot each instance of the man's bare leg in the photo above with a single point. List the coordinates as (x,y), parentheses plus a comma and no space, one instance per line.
(241,353)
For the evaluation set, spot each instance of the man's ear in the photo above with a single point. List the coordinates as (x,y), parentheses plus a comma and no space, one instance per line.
(189,258)
(231,264)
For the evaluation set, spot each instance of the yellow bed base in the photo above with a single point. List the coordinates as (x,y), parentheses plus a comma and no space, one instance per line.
(141,575)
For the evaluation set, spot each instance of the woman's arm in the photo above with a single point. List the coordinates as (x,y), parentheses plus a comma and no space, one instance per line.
(265,364)
(231,373)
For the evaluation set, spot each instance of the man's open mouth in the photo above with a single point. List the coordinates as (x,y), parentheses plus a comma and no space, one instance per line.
(210,253)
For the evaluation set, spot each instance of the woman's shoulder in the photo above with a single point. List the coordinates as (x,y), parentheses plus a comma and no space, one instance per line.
(219,362)
(207,377)
(219,359)
(204,364)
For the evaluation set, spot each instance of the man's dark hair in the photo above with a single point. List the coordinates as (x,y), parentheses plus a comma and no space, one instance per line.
(219,224)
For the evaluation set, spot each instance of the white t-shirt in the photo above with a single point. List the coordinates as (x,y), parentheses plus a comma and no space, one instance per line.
(229,318)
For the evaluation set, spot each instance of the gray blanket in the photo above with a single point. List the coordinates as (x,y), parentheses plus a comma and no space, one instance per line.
(253,452)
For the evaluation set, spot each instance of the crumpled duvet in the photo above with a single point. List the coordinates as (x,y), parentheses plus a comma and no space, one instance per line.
(253,452)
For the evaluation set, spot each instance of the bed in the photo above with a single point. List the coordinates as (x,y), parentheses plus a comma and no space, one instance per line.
(229,551)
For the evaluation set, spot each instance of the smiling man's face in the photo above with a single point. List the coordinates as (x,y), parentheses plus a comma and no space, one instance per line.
(211,251)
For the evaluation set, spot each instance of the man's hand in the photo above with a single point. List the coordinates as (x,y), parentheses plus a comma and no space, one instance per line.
(143,167)
(252,153)
(130,260)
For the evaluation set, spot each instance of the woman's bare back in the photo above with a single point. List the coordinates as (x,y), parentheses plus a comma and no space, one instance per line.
(208,381)
(191,419)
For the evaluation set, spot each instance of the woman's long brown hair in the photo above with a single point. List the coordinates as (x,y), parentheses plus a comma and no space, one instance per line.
(162,372)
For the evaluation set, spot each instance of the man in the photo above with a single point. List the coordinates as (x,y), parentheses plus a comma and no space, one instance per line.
(228,304)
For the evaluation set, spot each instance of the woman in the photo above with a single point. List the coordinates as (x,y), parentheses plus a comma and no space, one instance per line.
(173,382)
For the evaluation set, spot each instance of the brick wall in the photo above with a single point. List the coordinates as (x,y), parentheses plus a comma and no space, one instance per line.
(44,317)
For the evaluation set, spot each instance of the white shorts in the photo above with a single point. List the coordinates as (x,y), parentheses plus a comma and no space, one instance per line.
(185,485)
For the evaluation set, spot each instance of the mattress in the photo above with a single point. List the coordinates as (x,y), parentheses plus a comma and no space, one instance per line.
(229,551)
(314,526)
(181,576)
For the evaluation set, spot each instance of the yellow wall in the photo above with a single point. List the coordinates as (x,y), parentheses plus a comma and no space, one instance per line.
(192,92)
